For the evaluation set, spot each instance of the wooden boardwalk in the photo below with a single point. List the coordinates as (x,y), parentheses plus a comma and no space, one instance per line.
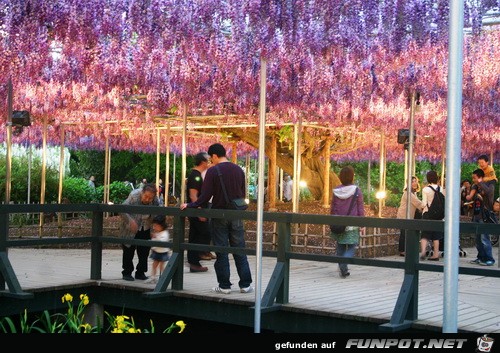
(370,292)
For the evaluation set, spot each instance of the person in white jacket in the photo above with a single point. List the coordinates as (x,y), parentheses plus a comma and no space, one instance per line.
(159,254)
(416,207)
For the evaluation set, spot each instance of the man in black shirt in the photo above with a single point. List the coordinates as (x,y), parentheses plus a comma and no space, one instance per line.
(482,195)
(199,231)
(225,232)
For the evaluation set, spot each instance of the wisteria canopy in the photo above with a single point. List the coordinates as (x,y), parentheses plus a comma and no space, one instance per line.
(118,68)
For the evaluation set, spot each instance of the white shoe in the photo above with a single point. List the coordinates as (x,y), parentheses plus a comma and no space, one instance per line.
(221,290)
(248,289)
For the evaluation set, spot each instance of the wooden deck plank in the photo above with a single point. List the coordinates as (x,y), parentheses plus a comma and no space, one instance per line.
(314,286)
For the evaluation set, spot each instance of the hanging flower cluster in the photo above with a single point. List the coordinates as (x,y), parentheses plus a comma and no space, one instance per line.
(103,70)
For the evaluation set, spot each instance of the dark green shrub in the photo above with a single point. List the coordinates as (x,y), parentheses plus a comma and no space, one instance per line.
(77,190)
(118,192)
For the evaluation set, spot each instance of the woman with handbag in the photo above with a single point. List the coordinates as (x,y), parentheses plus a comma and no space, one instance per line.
(347,200)
(416,207)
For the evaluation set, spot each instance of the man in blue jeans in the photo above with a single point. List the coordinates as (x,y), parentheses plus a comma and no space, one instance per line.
(481,194)
(225,232)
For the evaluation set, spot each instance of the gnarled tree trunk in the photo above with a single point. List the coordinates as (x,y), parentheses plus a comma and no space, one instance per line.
(312,158)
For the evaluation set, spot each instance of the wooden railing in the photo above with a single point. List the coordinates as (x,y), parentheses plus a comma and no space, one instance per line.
(277,289)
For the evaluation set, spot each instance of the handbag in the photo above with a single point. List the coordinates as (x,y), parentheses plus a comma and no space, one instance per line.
(235,204)
(338,229)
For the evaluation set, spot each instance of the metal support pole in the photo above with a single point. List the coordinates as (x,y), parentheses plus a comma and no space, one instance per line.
(261,196)
(453,160)
(409,158)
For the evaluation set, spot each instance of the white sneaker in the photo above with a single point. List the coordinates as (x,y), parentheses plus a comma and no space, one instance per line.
(248,289)
(221,290)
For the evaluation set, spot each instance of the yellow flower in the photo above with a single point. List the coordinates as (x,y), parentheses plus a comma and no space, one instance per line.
(181,324)
(121,318)
(67,297)
(134,330)
(120,322)
(86,328)
(84,299)
(116,330)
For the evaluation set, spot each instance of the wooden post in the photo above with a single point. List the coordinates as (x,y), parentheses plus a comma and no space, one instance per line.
(44,172)
(61,177)
(326,174)
(234,152)
(8,166)
(167,166)
(158,152)
(271,172)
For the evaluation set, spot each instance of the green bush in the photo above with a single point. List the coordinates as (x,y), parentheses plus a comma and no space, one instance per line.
(19,180)
(118,192)
(77,190)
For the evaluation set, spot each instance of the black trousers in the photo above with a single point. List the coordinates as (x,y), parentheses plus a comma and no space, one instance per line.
(402,240)
(142,255)
(199,233)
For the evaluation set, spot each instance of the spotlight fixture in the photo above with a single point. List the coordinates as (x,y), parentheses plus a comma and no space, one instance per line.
(21,118)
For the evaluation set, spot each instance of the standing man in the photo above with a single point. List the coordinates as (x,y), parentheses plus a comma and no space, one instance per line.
(225,232)
(92,182)
(482,194)
(199,227)
(137,226)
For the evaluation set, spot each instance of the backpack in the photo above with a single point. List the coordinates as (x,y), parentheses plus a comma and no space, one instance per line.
(436,208)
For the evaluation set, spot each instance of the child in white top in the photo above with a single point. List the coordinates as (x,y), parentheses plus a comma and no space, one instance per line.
(160,255)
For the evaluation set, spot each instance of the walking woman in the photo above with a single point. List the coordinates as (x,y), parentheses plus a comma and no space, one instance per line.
(347,200)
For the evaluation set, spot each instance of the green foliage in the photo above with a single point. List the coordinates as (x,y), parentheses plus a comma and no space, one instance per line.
(125,165)
(83,164)
(134,167)
(285,136)
(77,190)
(73,321)
(466,171)
(395,178)
(19,180)
(118,192)
(20,219)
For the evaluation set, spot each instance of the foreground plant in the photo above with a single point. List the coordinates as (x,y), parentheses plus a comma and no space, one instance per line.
(73,321)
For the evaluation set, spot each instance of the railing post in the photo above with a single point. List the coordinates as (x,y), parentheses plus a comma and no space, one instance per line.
(96,245)
(179,235)
(284,246)
(4,231)
(406,308)
(412,252)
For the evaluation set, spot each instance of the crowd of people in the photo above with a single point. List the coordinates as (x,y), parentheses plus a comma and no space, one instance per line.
(214,180)
(206,187)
